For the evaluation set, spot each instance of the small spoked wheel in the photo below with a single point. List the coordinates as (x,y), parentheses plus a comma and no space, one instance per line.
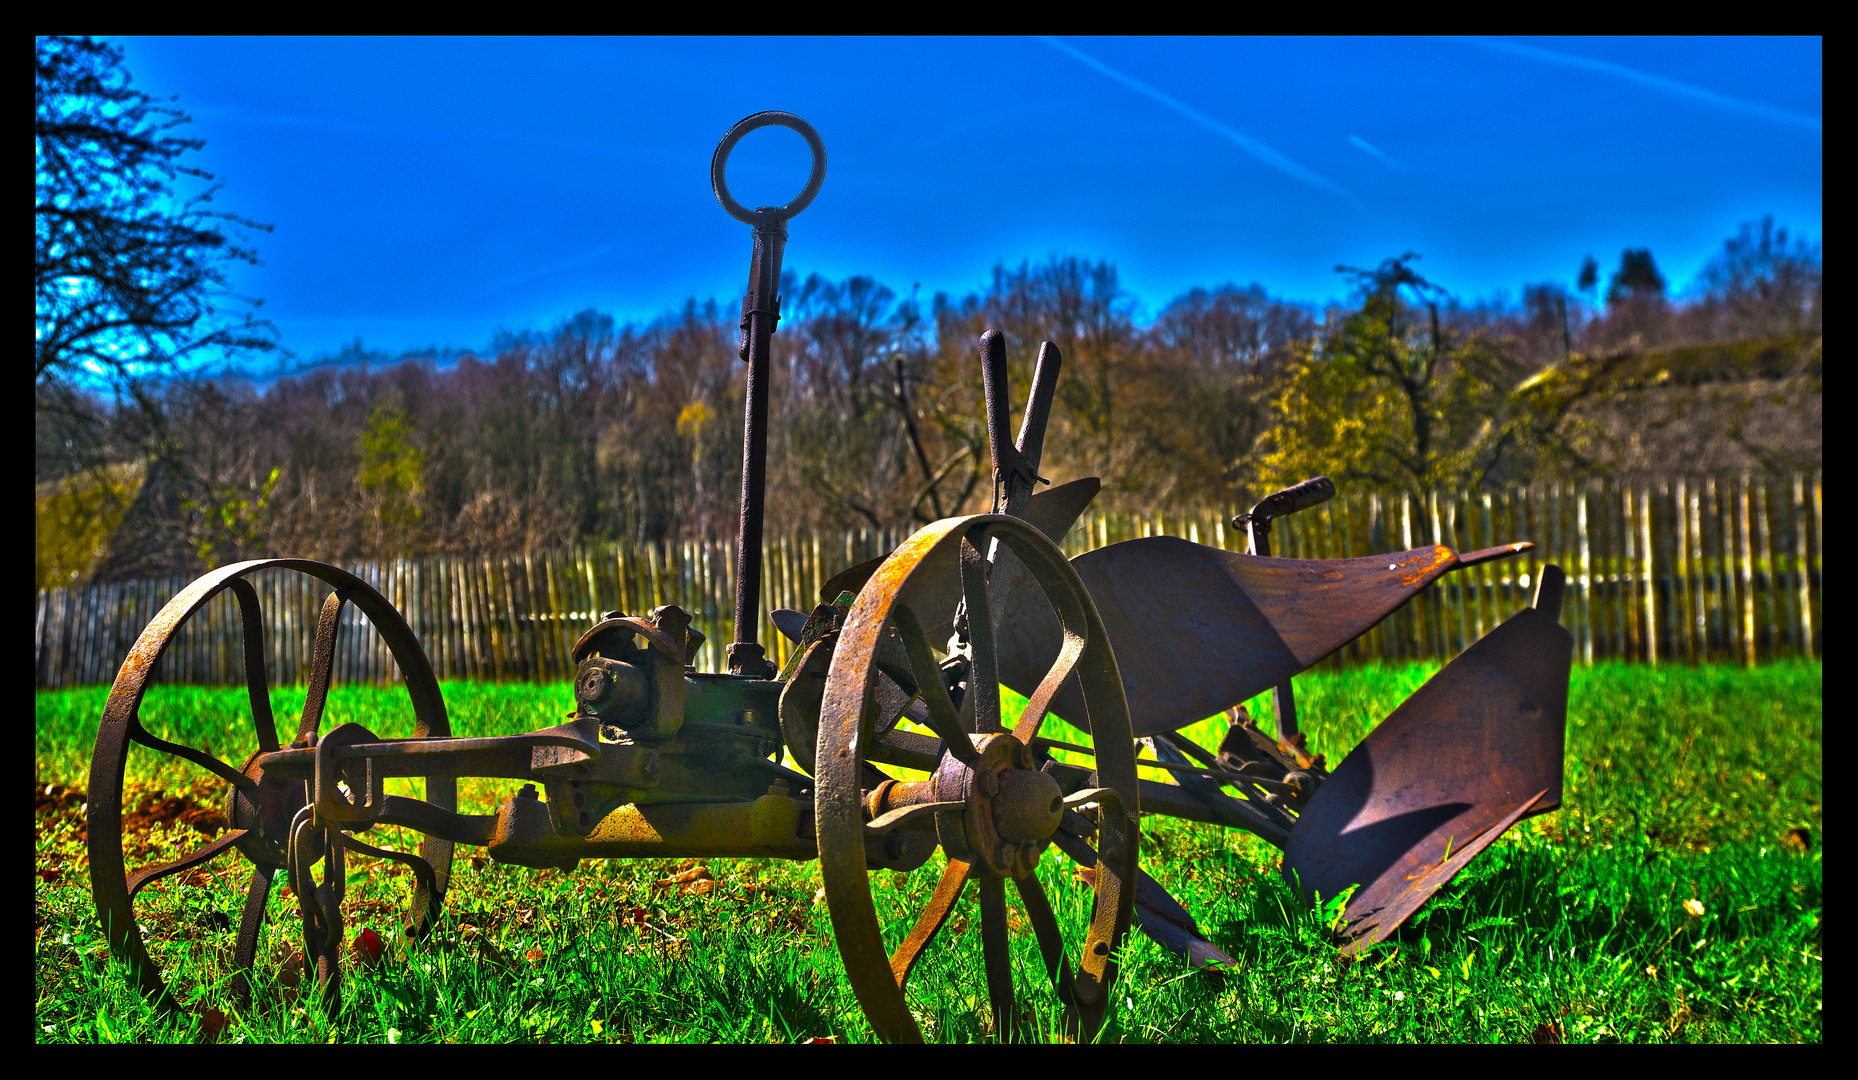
(991,805)
(268,819)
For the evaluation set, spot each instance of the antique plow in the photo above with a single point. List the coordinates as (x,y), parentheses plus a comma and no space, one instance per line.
(899,667)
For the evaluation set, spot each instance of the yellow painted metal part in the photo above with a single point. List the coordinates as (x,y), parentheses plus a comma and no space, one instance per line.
(769,826)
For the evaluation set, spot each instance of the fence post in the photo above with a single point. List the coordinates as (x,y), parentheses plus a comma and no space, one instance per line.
(1650,580)
(1746,574)
(1802,571)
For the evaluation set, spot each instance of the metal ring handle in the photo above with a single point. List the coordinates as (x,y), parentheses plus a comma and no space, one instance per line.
(767,215)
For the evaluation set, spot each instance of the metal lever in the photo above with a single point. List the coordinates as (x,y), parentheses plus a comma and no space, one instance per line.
(1257,522)
(760,314)
(1011,470)
(1257,526)
(1032,427)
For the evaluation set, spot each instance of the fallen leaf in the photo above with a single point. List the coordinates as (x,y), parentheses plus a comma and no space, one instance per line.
(1548,1034)
(213,1024)
(696,879)
(368,947)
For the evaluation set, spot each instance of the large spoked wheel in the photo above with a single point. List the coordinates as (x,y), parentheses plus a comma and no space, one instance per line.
(262,812)
(995,812)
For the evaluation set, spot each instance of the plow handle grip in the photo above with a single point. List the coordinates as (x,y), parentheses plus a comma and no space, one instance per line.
(1312,492)
(993,384)
(1039,404)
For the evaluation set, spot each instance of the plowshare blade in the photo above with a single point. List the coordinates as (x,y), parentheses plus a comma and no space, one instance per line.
(789,622)
(1472,752)
(1197,629)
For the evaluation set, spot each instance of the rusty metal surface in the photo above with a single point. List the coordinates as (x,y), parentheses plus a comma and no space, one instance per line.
(760,315)
(1160,915)
(994,826)
(255,805)
(929,921)
(1476,748)
(1239,624)
(1135,639)
(1257,525)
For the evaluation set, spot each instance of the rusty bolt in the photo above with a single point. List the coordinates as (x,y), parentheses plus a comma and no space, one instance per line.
(528,792)
(988,782)
(651,766)
(593,687)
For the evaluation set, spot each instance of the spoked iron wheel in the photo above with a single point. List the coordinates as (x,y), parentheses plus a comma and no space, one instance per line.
(993,809)
(263,813)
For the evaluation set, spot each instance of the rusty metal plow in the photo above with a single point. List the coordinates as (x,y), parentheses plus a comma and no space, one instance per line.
(1130,642)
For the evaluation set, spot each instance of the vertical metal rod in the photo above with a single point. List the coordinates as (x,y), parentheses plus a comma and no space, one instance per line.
(760,314)
(1283,698)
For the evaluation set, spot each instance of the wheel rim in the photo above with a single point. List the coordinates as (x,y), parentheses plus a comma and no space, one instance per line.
(255,805)
(877,976)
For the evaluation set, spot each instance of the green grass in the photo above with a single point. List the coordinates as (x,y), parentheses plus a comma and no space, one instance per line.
(1684,784)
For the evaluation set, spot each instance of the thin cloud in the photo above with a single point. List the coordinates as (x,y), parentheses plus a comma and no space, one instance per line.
(524,277)
(1655,82)
(1375,152)
(1243,141)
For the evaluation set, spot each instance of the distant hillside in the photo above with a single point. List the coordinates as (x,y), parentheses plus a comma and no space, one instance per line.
(355,355)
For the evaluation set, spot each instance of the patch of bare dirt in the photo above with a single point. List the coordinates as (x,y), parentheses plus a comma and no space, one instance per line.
(156,809)
(53,804)
(151,810)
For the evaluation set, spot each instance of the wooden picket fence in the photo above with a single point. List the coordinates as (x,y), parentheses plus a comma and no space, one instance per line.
(1685,570)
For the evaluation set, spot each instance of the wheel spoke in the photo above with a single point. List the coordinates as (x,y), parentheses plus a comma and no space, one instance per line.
(997,958)
(1033,717)
(322,665)
(152,874)
(250,923)
(984,677)
(252,634)
(1051,940)
(199,757)
(941,903)
(928,679)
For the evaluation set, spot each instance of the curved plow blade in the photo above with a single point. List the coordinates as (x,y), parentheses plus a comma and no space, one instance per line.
(1197,630)
(1472,752)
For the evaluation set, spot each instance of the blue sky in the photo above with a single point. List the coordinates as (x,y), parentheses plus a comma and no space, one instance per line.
(430,192)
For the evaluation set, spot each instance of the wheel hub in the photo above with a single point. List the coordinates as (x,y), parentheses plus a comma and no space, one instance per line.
(1012,808)
(265,812)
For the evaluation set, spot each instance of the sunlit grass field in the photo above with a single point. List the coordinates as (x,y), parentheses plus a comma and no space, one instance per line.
(1676,897)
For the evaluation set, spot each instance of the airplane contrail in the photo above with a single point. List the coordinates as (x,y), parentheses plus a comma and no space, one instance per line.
(1376,152)
(1655,82)
(1243,141)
